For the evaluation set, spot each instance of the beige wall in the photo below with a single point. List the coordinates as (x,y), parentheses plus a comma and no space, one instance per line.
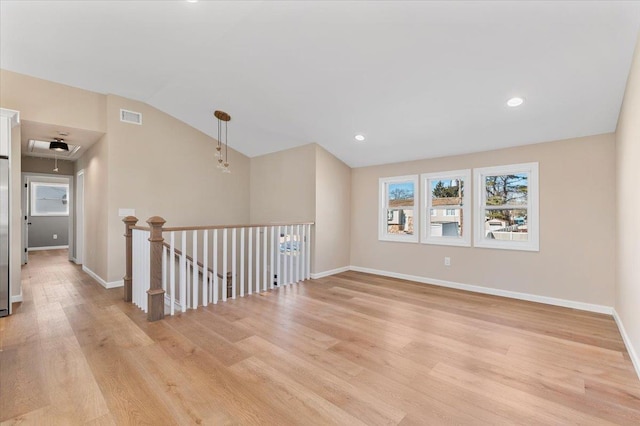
(283,186)
(94,162)
(333,212)
(47,102)
(628,207)
(45,165)
(167,168)
(163,167)
(302,184)
(577,239)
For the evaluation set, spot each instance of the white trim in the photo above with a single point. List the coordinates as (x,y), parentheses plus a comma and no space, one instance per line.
(103,283)
(426,209)
(330,272)
(383,205)
(635,360)
(601,309)
(17,298)
(533,207)
(47,248)
(12,115)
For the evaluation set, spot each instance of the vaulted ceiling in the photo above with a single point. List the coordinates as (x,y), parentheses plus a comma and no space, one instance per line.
(417,79)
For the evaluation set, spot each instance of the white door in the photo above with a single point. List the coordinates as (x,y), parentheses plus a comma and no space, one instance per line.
(80,217)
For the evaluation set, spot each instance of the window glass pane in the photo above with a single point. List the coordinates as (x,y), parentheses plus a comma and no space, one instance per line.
(50,199)
(401,194)
(447,191)
(400,221)
(446,223)
(509,224)
(507,189)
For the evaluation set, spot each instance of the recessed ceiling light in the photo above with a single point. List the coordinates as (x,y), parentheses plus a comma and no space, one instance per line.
(514,102)
(192,1)
(359,137)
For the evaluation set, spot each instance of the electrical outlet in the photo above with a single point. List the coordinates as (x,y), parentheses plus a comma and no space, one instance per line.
(447,261)
(55,236)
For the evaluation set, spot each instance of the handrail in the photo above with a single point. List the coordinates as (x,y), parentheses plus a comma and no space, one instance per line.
(207,227)
(256,261)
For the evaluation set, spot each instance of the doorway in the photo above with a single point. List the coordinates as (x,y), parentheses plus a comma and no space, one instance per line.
(47,205)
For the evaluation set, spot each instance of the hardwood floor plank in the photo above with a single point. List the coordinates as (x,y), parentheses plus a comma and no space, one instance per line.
(362,405)
(352,348)
(23,383)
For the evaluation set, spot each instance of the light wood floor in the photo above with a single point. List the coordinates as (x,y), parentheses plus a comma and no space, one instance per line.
(349,349)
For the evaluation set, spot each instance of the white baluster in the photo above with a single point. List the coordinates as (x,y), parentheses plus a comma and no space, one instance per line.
(164,268)
(279,258)
(303,245)
(298,274)
(242,262)
(258,260)
(147,270)
(291,277)
(285,256)
(224,265)
(189,269)
(195,270)
(134,268)
(172,270)
(308,244)
(205,267)
(233,263)
(265,272)
(215,266)
(250,265)
(271,254)
(183,272)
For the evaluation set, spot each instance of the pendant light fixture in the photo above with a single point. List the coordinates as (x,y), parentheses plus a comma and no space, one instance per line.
(222,149)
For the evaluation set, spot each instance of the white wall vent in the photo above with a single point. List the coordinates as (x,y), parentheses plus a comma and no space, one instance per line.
(130,116)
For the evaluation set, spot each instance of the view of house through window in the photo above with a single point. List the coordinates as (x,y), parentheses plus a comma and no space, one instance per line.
(506,207)
(49,199)
(448,210)
(398,197)
(400,208)
(507,215)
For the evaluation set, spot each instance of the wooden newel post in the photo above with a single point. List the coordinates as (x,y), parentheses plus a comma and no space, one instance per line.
(155,294)
(129,221)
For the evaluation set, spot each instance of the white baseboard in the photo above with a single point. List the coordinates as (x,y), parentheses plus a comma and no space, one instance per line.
(601,309)
(47,248)
(103,283)
(330,272)
(627,342)
(17,298)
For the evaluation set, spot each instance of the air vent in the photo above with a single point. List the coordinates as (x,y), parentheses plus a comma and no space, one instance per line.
(130,116)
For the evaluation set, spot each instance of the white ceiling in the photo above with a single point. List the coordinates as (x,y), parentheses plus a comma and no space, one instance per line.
(419,79)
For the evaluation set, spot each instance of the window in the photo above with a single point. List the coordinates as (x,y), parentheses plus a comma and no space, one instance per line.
(446,196)
(49,199)
(398,203)
(507,207)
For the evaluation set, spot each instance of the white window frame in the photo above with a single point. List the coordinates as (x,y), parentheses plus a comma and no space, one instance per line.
(426,217)
(32,204)
(533,213)
(383,235)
